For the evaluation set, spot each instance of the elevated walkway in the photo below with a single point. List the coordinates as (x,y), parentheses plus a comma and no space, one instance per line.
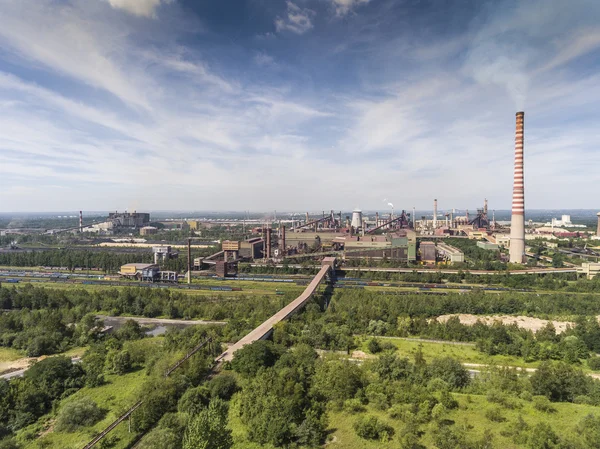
(264,330)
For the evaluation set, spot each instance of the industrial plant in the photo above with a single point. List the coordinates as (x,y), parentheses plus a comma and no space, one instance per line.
(356,237)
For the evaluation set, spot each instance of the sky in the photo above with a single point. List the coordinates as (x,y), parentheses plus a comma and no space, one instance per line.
(297,105)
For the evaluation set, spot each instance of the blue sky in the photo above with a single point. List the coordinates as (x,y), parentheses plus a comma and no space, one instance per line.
(296,105)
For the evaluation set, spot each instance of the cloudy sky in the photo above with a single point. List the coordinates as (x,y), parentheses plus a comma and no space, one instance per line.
(296,105)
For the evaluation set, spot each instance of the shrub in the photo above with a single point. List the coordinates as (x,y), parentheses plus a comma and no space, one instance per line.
(543,404)
(374,346)
(438,411)
(594,363)
(353,406)
(80,412)
(371,428)
(495,415)
(542,437)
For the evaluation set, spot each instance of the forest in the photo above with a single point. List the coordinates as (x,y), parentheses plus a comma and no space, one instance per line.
(302,389)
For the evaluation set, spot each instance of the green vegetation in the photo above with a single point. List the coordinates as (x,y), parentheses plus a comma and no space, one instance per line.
(285,393)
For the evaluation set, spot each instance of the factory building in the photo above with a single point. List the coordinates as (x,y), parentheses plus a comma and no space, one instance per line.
(162,253)
(428,252)
(139,270)
(489,246)
(394,246)
(590,270)
(450,253)
(148,230)
(129,220)
(517,223)
(175,225)
(252,248)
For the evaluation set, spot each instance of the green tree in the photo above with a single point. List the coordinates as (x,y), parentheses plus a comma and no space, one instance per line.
(251,358)
(558,260)
(449,370)
(93,364)
(208,430)
(194,400)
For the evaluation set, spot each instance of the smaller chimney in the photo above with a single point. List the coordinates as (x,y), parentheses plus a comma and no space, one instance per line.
(189,261)
(80,221)
(435,214)
(268,243)
(282,241)
(598,230)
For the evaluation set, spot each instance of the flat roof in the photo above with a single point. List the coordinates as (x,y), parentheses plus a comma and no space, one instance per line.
(139,266)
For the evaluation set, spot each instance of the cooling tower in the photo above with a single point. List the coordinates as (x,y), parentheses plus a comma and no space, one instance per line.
(517,222)
(356,219)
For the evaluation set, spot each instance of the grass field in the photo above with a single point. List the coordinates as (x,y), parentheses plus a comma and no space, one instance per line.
(470,417)
(248,287)
(116,396)
(466,353)
(9,354)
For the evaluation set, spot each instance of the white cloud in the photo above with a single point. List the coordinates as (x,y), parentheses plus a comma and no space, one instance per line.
(90,51)
(263,59)
(297,20)
(194,127)
(343,7)
(142,8)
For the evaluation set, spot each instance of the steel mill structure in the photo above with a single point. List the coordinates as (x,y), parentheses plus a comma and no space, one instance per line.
(517,223)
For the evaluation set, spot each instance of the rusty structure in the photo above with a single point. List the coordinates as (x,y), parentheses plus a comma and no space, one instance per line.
(481,220)
(400,222)
(282,241)
(517,223)
(268,243)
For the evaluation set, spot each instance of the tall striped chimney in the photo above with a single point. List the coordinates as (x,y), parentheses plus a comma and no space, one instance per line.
(598,230)
(80,221)
(517,222)
(435,214)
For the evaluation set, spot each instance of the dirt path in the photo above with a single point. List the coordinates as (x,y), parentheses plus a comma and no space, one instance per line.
(16,365)
(163,321)
(524,322)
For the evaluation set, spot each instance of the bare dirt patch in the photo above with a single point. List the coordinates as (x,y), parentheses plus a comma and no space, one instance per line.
(524,322)
(16,365)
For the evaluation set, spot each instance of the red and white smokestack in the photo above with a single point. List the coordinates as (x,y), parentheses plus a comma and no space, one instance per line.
(517,222)
(80,221)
